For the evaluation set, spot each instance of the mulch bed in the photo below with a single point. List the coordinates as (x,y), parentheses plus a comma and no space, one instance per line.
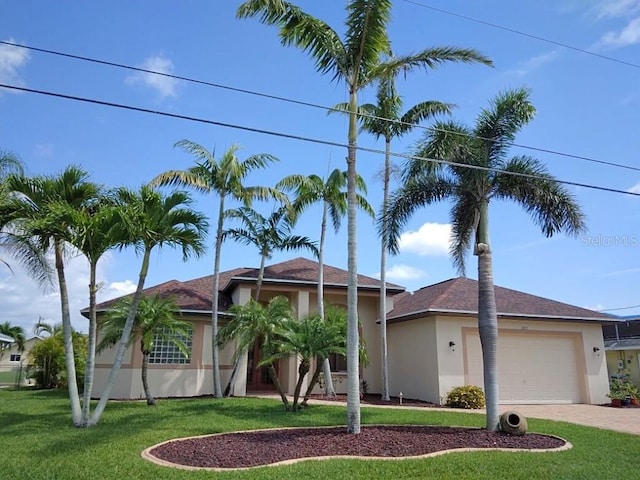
(258,448)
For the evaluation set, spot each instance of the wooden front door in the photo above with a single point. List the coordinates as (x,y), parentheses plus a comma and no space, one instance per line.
(258,378)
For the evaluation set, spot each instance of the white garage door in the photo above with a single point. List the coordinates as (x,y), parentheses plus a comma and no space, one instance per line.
(532,368)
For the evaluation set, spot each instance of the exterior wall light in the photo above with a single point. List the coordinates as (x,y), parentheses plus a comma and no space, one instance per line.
(452,346)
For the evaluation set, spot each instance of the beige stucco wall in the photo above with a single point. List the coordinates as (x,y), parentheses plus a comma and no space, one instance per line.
(192,379)
(413,360)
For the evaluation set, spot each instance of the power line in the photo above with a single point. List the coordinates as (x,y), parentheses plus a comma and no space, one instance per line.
(618,308)
(524,34)
(308,104)
(308,139)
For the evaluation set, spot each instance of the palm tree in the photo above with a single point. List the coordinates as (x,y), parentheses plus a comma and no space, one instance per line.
(356,62)
(92,231)
(268,234)
(225,178)
(155,321)
(29,218)
(251,323)
(149,220)
(481,171)
(16,332)
(9,163)
(308,339)
(384,120)
(313,189)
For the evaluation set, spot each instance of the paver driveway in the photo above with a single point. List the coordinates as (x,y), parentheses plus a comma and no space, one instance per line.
(619,419)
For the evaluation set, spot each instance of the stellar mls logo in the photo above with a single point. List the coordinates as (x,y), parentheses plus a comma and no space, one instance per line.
(610,240)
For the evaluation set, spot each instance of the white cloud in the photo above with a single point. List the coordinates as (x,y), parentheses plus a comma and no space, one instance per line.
(635,188)
(405,272)
(11,60)
(629,35)
(598,307)
(22,302)
(616,8)
(534,63)
(430,239)
(164,86)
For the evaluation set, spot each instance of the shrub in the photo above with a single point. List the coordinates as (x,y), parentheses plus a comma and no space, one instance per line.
(468,396)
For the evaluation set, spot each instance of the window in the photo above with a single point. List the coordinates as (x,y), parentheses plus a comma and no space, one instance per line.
(338,362)
(15,357)
(165,350)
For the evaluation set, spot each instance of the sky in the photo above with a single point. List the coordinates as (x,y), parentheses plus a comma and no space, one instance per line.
(586,106)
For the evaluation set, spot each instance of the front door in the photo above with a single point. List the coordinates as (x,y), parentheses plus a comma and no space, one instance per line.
(258,378)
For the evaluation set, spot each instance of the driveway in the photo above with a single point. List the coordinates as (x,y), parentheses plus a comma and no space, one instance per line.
(619,419)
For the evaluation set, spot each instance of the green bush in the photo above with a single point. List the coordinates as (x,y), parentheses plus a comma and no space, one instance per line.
(468,396)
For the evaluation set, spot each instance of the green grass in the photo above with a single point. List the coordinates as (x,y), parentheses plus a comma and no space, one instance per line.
(38,442)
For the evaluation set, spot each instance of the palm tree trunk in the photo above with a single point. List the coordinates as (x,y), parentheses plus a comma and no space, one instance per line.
(329,390)
(276,381)
(72,384)
(487,318)
(303,369)
(263,260)
(383,276)
(353,367)
(145,382)
(91,347)
(217,387)
(312,383)
(124,341)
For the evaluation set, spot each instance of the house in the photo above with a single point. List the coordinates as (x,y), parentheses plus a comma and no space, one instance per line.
(622,345)
(549,352)
(14,360)
(5,341)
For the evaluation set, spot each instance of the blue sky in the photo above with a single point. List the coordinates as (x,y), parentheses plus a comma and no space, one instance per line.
(586,106)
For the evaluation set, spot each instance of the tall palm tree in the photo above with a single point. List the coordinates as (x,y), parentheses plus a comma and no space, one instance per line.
(481,171)
(224,177)
(155,321)
(385,120)
(356,61)
(150,220)
(9,163)
(331,192)
(268,234)
(28,217)
(253,322)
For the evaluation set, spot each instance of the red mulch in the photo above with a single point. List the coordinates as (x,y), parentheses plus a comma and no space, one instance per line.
(252,449)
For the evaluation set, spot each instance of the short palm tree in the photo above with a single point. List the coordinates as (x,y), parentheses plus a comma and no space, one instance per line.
(155,321)
(29,218)
(356,61)
(331,192)
(150,220)
(224,177)
(253,322)
(307,339)
(269,234)
(480,171)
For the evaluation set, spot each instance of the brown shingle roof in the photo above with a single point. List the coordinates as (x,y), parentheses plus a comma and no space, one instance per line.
(195,295)
(461,295)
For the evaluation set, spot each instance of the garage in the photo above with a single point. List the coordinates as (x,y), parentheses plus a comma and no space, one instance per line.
(533,367)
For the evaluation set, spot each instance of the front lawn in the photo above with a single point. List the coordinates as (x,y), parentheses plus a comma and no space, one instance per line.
(38,442)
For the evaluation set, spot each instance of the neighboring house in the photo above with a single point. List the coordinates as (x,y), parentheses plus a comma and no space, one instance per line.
(622,344)
(5,341)
(14,360)
(549,352)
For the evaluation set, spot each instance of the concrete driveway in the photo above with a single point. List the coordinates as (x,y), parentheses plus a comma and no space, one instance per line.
(619,419)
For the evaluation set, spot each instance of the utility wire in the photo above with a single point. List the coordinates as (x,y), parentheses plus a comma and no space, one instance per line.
(309,139)
(618,308)
(313,105)
(524,34)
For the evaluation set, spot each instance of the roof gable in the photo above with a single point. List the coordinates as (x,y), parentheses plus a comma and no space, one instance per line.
(460,295)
